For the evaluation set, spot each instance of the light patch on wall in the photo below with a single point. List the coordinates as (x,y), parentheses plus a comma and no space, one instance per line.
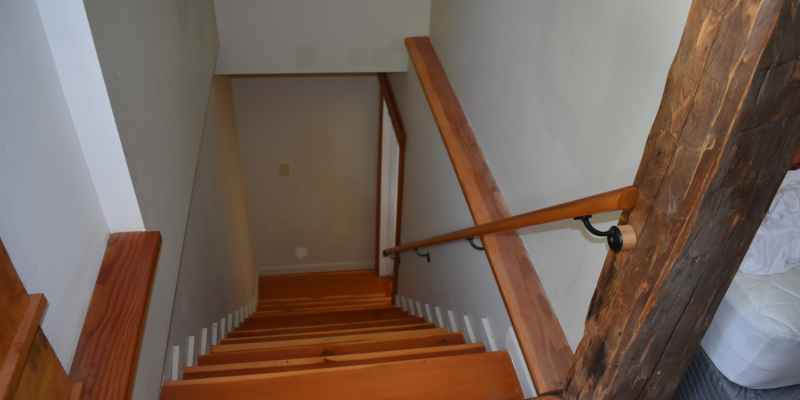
(300,252)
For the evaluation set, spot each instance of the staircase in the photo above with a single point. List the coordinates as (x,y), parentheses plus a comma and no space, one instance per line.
(336,335)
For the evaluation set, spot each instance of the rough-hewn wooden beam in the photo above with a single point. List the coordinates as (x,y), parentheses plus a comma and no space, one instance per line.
(541,337)
(720,145)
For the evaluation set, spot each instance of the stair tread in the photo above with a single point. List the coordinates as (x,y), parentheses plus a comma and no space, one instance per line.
(322,304)
(363,337)
(316,310)
(239,332)
(465,377)
(331,349)
(331,333)
(317,318)
(260,367)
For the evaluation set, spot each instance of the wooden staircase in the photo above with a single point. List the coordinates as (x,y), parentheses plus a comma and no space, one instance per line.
(336,335)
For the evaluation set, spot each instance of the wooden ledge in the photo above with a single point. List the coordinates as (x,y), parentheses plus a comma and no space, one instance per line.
(108,350)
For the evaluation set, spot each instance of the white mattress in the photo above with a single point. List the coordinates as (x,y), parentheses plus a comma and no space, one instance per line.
(754,339)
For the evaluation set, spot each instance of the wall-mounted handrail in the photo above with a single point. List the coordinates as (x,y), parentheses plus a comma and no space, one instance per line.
(615,200)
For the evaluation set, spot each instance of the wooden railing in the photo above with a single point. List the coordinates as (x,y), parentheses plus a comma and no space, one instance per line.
(104,366)
(542,340)
(616,200)
(698,203)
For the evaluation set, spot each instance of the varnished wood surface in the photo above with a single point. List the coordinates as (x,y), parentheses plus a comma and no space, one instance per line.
(286,321)
(316,285)
(29,368)
(238,333)
(108,350)
(364,337)
(15,357)
(541,337)
(43,377)
(718,150)
(331,333)
(327,362)
(332,349)
(292,306)
(615,200)
(321,309)
(466,377)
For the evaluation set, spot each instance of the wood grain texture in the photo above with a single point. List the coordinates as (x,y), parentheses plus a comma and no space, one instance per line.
(465,377)
(541,337)
(29,368)
(290,306)
(287,321)
(321,309)
(16,355)
(298,364)
(364,337)
(320,285)
(717,152)
(615,200)
(43,377)
(239,333)
(332,349)
(108,350)
(341,332)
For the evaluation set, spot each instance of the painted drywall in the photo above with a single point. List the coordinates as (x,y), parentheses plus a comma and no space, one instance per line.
(561,95)
(217,273)
(52,222)
(324,132)
(317,36)
(157,58)
(75,56)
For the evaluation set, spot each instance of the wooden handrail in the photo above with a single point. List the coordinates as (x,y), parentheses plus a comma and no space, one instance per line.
(541,337)
(615,200)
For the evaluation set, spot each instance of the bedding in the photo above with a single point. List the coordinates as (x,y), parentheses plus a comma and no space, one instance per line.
(703,381)
(776,246)
(754,339)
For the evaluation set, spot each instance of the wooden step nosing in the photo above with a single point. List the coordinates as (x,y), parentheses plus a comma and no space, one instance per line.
(336,361)
(331,333)
(288,344)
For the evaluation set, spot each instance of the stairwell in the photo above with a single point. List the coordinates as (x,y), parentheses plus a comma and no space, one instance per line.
(336,335)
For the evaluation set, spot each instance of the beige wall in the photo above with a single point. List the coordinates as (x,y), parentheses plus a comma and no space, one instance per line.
(317,36)
(561,94)
(325,130)
(217,273)
(157,58)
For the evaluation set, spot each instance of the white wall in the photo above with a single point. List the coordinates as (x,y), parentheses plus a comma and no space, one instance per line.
(217,273)
(325,129)
(157,57)
(52,222)
(561,95)
(75,56)
(317,36)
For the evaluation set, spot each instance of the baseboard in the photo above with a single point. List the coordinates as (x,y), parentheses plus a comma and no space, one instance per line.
(323,267)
